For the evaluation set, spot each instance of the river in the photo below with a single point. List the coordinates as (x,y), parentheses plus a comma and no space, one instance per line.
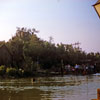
(50,88)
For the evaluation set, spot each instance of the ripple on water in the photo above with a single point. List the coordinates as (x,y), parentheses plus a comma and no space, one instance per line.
(52,88)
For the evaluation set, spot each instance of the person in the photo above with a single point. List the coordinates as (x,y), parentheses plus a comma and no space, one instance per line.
(92,68)
(76,68)
(87,69)
(68,68)
(33,80)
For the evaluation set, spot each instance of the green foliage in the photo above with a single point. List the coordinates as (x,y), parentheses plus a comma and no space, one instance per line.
(11,71)
(30,54)
(28,64)
(21,72)
(2,70)
(2,42)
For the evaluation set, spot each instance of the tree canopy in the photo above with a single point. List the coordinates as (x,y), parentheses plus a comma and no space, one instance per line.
(31,53)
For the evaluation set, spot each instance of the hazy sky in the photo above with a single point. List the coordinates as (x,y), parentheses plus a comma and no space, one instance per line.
(67,21)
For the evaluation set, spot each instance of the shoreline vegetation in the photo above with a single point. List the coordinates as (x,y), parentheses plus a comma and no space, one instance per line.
(26,55)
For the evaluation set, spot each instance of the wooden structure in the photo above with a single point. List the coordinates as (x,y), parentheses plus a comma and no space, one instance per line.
(98,95)
(5,55)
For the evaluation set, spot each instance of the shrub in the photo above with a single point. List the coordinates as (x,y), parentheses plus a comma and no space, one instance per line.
(2,70)
(11,71)
(20,72)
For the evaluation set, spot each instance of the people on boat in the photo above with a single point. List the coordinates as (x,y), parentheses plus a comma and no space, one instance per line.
(80,69)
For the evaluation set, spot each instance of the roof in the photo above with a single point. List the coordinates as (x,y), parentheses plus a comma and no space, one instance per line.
(3,45)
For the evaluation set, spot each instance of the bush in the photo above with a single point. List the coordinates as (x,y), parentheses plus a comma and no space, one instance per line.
(11,71)
(2,70)
(20,72)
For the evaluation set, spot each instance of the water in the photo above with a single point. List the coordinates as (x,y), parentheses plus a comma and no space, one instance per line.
(50,88)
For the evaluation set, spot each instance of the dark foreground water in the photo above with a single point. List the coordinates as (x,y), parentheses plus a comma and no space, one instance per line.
(50,88)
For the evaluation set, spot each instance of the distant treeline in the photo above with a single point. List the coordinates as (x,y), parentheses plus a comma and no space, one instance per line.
(25,51)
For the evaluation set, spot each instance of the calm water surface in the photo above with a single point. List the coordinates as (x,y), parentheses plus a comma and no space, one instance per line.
(50,88)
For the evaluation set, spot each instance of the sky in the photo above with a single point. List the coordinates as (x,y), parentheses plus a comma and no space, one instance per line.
(67,21)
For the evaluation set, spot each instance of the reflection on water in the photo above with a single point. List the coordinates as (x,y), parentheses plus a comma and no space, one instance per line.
(50,88)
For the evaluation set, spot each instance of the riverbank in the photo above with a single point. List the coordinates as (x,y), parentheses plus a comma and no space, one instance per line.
(44,74)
